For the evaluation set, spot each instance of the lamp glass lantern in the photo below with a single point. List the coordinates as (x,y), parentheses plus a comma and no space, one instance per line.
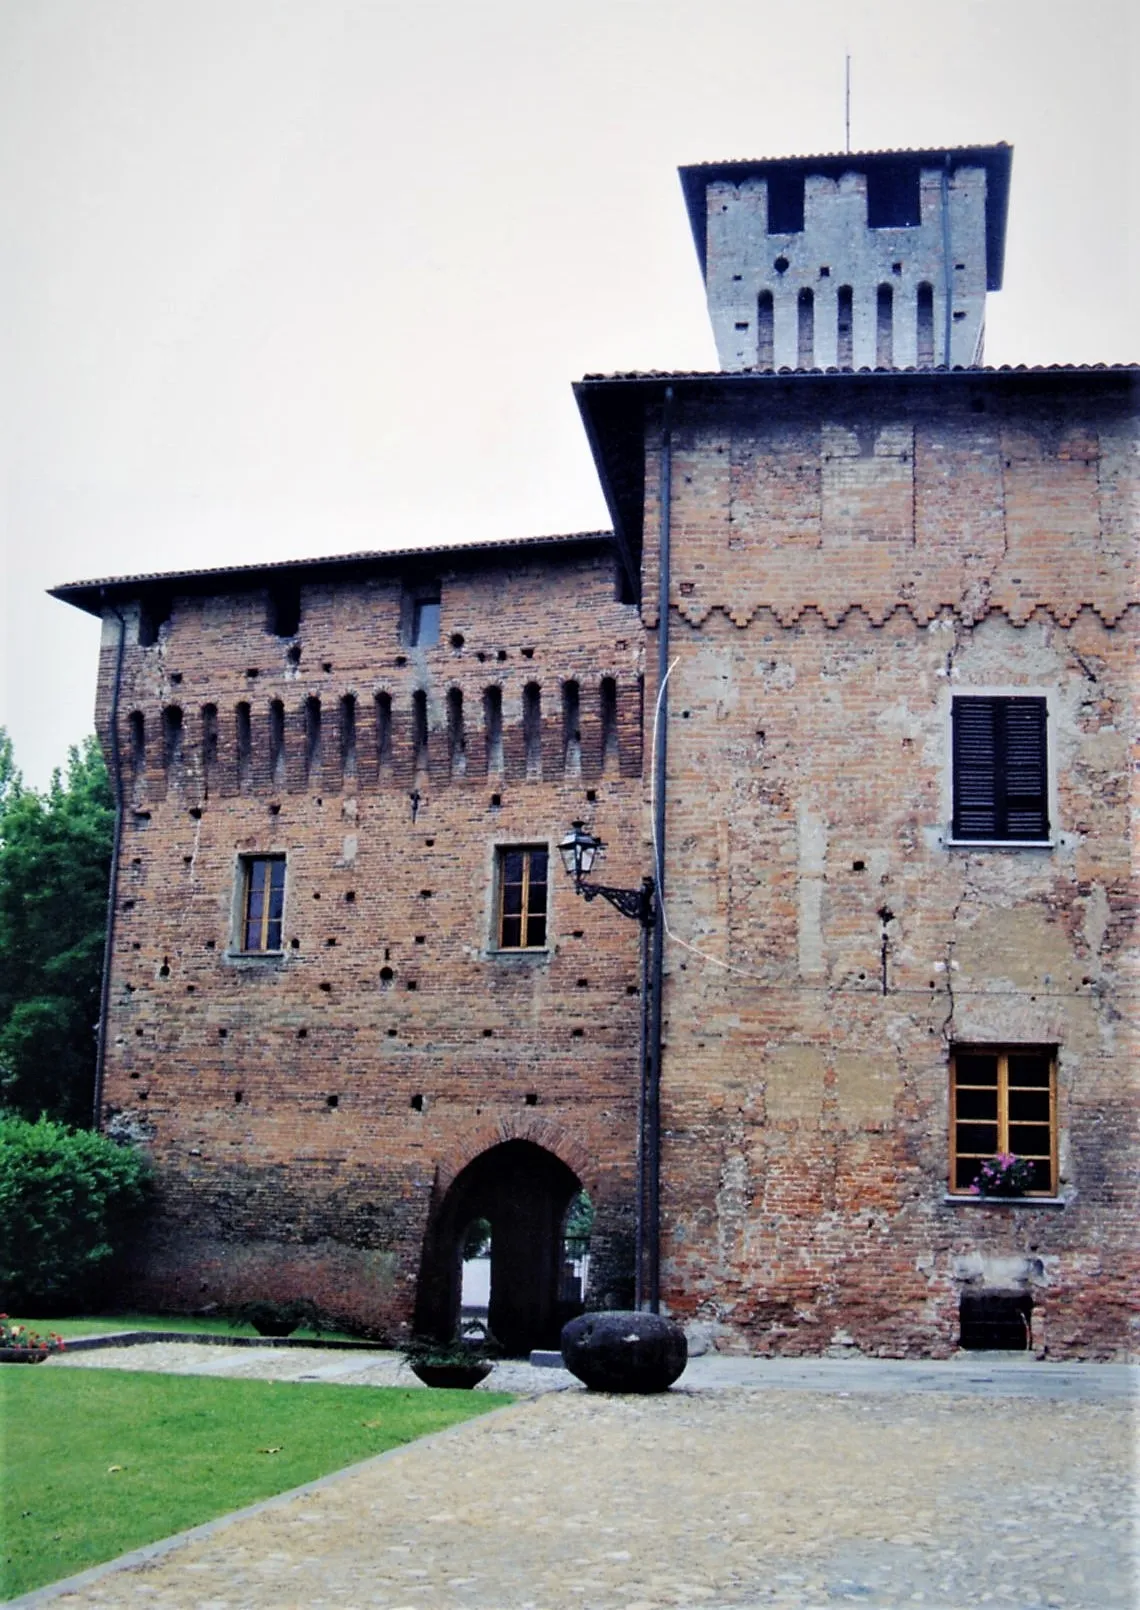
(579,850)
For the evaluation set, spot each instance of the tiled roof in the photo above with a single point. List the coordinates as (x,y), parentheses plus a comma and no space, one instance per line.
(978,371)
(849,156)
(87,594)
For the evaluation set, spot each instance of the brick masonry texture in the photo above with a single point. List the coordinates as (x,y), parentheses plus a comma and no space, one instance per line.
(845,559)
(839,572)
(389,996)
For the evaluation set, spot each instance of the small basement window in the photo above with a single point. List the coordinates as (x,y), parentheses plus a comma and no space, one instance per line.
(996,1321)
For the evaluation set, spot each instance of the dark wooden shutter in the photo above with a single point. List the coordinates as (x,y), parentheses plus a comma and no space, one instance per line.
(1026,775)
(1000,775)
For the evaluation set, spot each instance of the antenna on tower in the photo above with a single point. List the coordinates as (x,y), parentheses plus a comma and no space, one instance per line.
(847,98)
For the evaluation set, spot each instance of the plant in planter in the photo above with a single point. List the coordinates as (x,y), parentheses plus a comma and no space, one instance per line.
(19,1345)
(1004,1175)
(459,1363)
(281,1319)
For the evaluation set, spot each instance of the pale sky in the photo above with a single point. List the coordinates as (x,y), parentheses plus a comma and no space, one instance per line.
(289,277)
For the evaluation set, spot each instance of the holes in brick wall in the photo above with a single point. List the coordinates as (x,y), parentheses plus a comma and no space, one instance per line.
(417,1103)
(283,615)
(591,796)
(326,666)
(425,894)
(457,640)
(487,1033)
(609,735)
(391,1034)
(239,1097)
(332,1101)
(456,734)
(138,1036)
(958,315)
(825,271)
(154,612)
(571,729)
(127,905)
(252,672)
(187,860)
(209,738)
(293,654)
(527,653)
(805,329)
(924,313)
(531,1098)
(135,945)
(532,729)
(496,801)
(190,988)
(348,736)
(421,939)
(349,896)
(195,813)
(325,988)
(401,659)
(172,736)
(294,944)
(844,328)
(858,866)
(632,989)
(330,942)
(742,325)
(386,975)
(302,1034)
(493,729)
(781,265)
(312,737)
(243,738)
(412,984)
(765,331)
(577,1034)
(223,1034)
(383,706)
(896,268)
(583,983)
(884,327)
(164,970)
(578,933)
(316,894)
(420,729)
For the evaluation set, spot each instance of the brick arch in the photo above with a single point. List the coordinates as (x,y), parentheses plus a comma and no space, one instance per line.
(540,1131)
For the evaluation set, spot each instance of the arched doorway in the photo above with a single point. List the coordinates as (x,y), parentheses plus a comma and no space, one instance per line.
(523,1192)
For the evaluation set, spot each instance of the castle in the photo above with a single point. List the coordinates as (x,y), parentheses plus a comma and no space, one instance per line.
(850,679)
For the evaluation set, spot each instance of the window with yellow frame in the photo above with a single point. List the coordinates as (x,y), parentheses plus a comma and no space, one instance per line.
(1003,1099)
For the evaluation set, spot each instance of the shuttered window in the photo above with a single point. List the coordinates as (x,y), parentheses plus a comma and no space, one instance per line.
(1001,780)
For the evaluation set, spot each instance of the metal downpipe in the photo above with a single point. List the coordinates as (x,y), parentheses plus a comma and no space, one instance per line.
(653,1080)
(116,846)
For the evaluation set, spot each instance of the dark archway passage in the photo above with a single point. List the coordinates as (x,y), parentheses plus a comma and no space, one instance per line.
(524,1192)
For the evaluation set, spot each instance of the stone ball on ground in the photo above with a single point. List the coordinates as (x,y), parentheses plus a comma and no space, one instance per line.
(620,1351)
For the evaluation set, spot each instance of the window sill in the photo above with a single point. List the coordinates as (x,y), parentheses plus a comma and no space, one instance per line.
(954,1199)
(511,953)
(255,955)
(999,844)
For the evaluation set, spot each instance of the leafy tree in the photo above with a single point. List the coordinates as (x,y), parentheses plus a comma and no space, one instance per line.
(67,1199)
(55,853)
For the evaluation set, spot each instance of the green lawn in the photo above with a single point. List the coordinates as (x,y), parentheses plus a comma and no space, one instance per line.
(99,1325)
(95,1462)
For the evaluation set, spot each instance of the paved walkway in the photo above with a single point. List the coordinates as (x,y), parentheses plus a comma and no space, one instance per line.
(783,1484)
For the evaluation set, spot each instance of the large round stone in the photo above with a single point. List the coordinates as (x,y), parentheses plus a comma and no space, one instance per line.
(624,1352)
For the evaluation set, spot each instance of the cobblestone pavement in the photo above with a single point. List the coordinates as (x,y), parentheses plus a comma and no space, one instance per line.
(821,1486)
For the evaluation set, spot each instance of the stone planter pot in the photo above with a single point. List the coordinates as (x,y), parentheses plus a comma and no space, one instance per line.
(622,1351)
(461,1376)
(23,1355)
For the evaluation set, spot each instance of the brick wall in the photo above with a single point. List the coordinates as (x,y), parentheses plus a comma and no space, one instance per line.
(305,1110)
(840,569)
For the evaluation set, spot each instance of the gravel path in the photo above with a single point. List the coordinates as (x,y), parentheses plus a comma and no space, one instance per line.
(775,1496)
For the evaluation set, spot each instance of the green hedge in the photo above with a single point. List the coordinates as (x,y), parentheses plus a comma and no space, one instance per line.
(67,1201)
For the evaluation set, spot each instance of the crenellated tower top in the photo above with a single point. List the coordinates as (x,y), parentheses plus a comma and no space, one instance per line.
(864,260)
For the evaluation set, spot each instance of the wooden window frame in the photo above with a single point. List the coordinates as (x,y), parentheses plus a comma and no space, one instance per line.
(1003,1054)
(526,851)
(266,921)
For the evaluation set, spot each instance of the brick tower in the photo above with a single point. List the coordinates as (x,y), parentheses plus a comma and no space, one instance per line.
(871,260)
